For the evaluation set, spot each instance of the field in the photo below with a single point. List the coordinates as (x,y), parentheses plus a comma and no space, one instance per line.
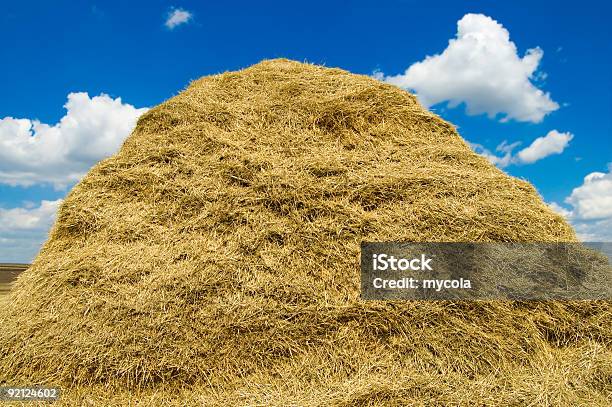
(8,273)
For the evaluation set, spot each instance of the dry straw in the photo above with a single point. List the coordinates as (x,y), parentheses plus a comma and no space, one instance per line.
(215,260)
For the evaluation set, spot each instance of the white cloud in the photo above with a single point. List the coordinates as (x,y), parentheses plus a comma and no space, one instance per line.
(593,231)
(24,229)
(560,210)
(591,207)
(32,152)
(481,68)
(28,217)
(552,143)
(177,17)
(500,161)
(593,199)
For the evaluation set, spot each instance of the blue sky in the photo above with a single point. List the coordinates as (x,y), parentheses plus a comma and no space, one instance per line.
(126,50)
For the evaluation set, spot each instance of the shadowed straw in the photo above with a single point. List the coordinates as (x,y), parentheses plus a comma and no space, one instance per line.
(215,259)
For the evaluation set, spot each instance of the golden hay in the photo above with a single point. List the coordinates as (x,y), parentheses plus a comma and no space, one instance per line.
(215,260)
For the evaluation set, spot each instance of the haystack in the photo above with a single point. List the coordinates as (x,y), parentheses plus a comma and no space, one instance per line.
(215,260)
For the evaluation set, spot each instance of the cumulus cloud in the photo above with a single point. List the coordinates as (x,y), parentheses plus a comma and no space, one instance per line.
(177,17)
(593,199)
(554,142)
(24,229)
(93,128)
(594,230)
(481,67)
(590,209)
(560,210)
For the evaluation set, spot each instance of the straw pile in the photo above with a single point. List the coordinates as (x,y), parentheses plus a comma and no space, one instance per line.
(215,260)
